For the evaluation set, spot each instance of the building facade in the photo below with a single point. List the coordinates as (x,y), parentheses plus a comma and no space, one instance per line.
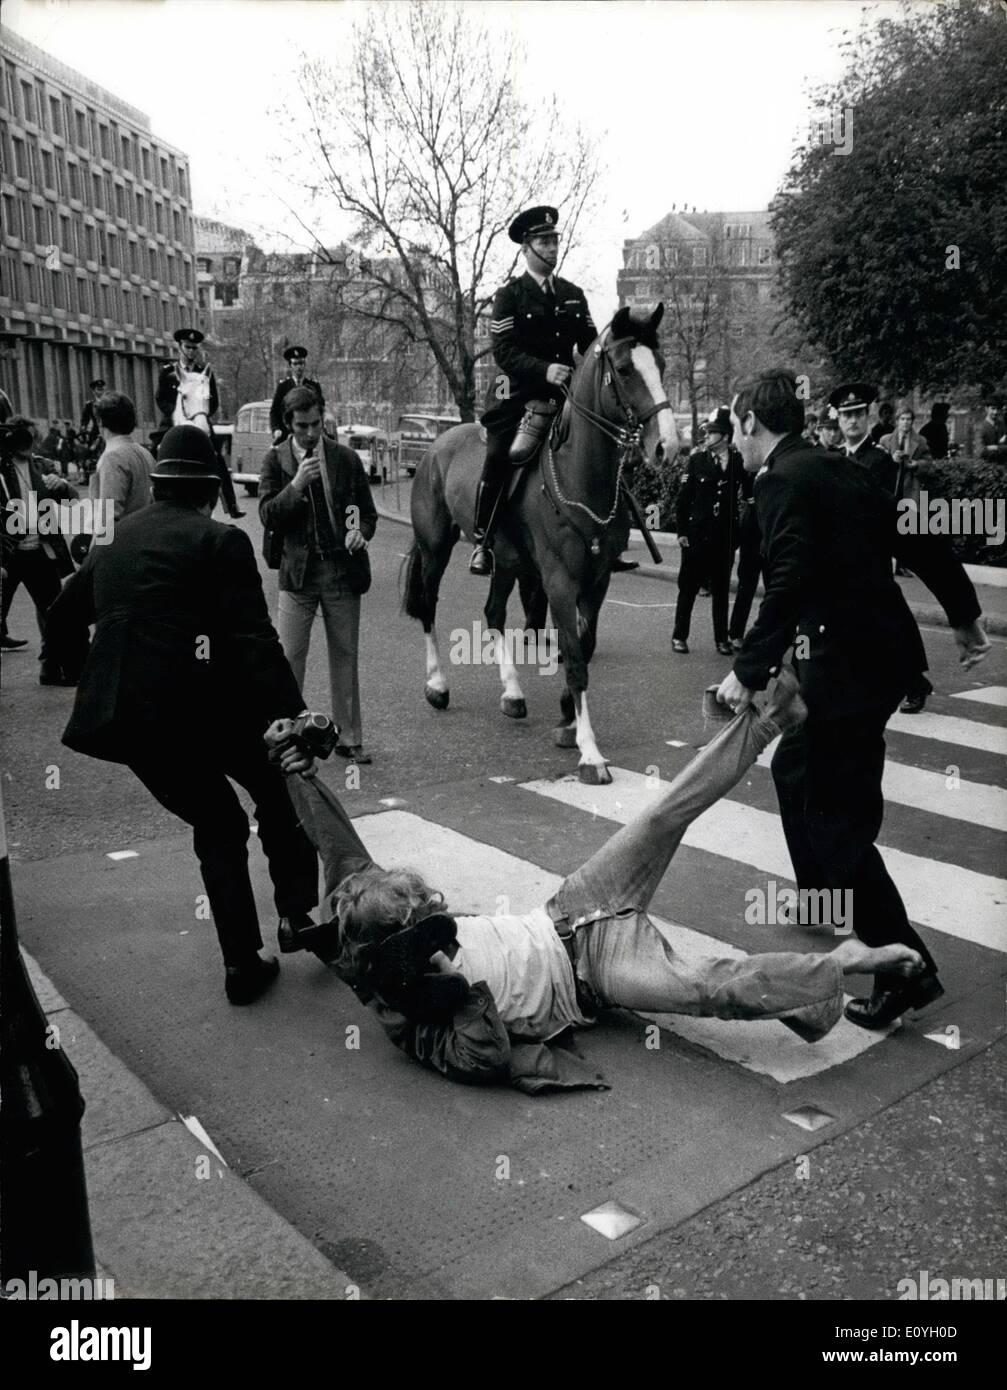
(716,275)
(97,264)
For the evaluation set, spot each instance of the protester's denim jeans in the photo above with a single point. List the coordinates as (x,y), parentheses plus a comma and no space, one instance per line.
(624,960)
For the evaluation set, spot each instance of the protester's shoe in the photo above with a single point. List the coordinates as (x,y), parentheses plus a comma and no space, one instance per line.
(677,645)
(620,566)
(55,676)
(243,984)
(12,644)
(917,697)
(236,514)
(902,573)
(293,932)
(725,649)
(890,1001)
(354,753)
(736,644)
(786,707)
(482,561)
(705,592)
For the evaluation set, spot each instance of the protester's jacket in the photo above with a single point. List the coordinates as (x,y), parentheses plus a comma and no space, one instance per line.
(55,546)
(829,535)
(914,446)
(529,332)
(183,646)
(293,514)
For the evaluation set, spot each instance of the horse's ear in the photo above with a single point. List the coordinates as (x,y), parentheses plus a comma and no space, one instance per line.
(657,315)
(621,325)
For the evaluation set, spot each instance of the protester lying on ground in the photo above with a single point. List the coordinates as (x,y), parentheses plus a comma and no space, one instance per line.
(478,998)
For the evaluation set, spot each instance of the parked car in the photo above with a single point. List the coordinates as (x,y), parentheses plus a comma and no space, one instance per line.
(417,433)
(370,443)
(251,438)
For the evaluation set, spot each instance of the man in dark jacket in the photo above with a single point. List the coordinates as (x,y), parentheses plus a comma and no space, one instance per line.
(39,561)
(852,401)
(297,357)
(538,320)
(829,534)
(314,494)
(707,518)
(184,674)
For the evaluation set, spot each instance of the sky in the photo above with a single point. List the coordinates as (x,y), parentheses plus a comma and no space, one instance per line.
(694,102)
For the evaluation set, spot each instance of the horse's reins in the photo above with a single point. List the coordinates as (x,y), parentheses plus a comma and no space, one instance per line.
(628,437)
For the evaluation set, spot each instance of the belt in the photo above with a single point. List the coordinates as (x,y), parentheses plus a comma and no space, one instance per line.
(587,1001)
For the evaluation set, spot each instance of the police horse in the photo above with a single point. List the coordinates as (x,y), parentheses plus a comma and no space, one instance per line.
(192,404)
(565,522)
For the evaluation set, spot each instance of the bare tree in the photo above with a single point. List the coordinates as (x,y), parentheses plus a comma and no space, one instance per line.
(694,328)
(423,138)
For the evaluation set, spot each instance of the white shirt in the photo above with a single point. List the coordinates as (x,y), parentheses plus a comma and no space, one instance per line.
(527,969)
(30,540)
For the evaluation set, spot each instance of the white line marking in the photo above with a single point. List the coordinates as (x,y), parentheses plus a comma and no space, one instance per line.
(904,785)
(948,728)
(194,1127)
(956,901)
(122,854)
(986,695)
(624,603)
(477,878)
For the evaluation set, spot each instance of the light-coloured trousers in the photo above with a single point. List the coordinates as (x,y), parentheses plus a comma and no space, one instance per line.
(624,960)
(340,607)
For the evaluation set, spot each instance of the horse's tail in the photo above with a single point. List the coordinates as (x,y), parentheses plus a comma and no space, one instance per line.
(415,596)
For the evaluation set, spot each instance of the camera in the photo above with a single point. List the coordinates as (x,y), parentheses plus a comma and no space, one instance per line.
(315,734)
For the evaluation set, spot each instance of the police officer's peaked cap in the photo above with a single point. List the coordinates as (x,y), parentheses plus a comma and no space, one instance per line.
(853,395)
(533,222)
(98,385)
(186,452)
(296,354)
(187,335)
(719,421)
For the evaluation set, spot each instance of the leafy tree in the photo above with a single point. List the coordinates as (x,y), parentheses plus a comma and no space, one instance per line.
(422,136)
(894,254)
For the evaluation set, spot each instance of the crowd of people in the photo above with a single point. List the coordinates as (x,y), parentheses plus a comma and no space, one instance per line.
(181,630)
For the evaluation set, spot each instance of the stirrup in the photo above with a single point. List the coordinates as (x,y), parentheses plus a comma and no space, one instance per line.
(478,561)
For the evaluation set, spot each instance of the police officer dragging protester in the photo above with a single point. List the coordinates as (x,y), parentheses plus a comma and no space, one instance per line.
(297,357)
(184,676)
(538,320)
(707,520)
(171,379)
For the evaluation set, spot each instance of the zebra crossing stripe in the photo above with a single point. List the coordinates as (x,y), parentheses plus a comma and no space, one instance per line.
(948,728)
(953,900)
(936,792)
(479,878)
(985,695)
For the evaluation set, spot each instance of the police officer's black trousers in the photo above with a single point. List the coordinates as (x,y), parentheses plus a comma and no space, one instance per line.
(749,569)
(195,788)
(495,475)
(40,576)
(701,564)
(828,780)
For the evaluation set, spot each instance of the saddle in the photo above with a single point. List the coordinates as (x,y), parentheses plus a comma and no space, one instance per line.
(535,424)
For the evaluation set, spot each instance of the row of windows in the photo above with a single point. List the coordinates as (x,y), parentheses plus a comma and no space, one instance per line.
(61,175)
(30,101)
(42,226)
(123,304)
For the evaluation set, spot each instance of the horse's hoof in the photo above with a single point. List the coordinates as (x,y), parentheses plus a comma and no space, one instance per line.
(437,698)
(594,774)
(514,709)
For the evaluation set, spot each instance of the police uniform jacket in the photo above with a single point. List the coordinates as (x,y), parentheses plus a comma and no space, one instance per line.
(183,648)
(288,384)
(89,420)
(529,332)
(294,514)
(707,510)
(167,393)
(829,535)
(878,464)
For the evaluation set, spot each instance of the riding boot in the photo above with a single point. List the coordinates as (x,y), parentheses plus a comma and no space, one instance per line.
(482,557)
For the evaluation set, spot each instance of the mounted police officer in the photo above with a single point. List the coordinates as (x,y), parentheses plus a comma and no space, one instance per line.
(538,320)
(297,357)
(170,377)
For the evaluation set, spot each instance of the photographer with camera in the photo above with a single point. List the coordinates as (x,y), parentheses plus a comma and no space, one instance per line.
(184,673)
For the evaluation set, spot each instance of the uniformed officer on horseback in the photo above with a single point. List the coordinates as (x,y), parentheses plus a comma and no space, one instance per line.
(538,320)
(169,380)
(297,357)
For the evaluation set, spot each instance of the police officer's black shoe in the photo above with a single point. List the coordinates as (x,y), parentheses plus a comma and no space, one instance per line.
(12,644)
(725,649)
(677,645)
(917,697)
(890,1001)
(482,561)
(243,984)
(620,566)
(291,933)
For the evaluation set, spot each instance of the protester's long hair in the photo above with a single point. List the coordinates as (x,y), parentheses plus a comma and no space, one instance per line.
(380,957)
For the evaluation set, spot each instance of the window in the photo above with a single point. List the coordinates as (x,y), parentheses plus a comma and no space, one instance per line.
(140,219)
(699,255)
(176,222)
(228,295)
(765,255)
(98,190)
(11,216)
(172,269)
(183,183)
(105,136)
(90,241)
(48,170)
(81,120)
(145,160)
(159,217)
(10,89)
(151,263)
(57,296)
(42,236)
(120,201)
(205,264)
(20,158)
(164,171)
(55,116)
(67,235)
(27,101)
(201,297)
(127,305)
(61,174)
(76,182)
(126,148)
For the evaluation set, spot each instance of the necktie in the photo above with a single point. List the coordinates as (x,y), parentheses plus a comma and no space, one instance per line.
(550,293)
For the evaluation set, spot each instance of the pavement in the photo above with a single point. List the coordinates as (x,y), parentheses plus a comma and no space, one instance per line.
(319,1162)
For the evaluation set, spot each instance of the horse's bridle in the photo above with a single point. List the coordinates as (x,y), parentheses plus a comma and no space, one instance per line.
(629,437)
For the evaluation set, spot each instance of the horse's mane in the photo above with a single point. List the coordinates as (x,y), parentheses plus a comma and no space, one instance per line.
(636,324)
